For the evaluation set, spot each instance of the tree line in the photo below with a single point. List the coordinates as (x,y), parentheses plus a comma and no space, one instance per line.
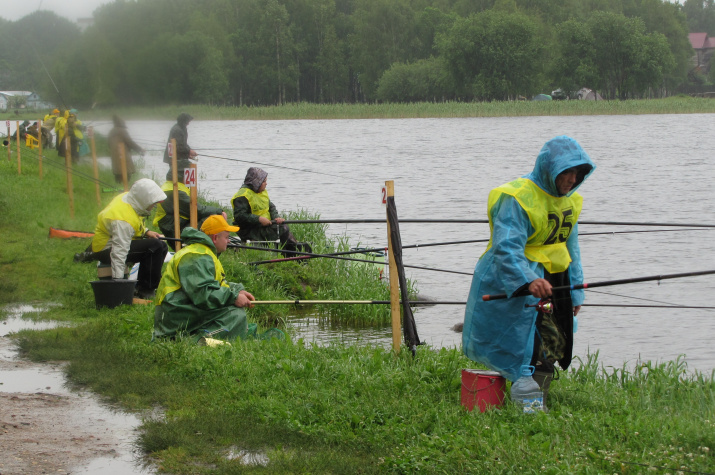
(267,52)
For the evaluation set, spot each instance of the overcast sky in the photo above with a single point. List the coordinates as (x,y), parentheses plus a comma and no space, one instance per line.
(70,9)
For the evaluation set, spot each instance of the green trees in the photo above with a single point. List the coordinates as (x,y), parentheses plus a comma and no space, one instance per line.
(612,54)
(260,52)
(493,55)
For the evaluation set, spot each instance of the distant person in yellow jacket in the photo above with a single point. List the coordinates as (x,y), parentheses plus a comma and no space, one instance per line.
(69,124)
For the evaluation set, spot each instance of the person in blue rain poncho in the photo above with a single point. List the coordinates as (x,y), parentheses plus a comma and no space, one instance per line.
(533,247)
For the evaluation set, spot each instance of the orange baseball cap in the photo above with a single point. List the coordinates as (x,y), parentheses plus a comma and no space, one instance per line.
(216,223)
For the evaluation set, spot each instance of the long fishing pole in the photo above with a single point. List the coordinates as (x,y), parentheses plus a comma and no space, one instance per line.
(487,297)
(444,302)
(351,302)
(482,221)
(448,243)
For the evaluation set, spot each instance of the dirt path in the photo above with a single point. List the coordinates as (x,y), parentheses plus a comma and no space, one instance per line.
(46,428)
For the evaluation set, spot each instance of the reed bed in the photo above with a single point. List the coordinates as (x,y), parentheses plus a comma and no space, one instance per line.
(309,111)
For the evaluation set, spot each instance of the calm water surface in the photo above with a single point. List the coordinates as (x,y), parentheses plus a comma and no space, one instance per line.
(651,168)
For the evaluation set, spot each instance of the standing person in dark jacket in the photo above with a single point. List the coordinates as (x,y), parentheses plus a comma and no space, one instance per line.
(164,218)
(183,150)
(120,135)
(256,214)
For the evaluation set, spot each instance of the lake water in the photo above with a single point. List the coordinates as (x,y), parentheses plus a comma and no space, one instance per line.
(651,168)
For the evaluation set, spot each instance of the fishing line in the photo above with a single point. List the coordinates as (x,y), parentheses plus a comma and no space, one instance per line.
(629,297)
(270,165)
(63,167)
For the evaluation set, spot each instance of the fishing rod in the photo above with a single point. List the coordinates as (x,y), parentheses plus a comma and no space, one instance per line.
(351,302)
(448,243)
(488,298)
(481,221)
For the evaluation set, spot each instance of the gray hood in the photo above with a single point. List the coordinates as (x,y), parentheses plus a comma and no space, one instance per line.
(143,194)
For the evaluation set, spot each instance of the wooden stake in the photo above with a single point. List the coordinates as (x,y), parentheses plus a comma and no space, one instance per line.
(194,214)
(39,140)
(123,165)
(93,146)
(17,136)
(174,177)
(8,141)
(394,281)
(68,164)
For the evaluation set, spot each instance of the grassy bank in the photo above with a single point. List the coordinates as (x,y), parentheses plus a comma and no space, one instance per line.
(671,105)
(327,409)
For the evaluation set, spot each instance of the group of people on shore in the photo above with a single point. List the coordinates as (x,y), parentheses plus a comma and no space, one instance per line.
(533,257)
(191,295)
(64,124)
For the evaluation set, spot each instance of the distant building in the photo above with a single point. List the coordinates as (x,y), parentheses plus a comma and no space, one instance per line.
(704,47)
(30,100)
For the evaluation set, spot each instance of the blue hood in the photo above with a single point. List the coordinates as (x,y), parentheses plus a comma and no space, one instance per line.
(557,155)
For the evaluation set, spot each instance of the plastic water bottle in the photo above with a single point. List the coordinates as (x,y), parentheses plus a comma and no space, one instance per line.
(526,392)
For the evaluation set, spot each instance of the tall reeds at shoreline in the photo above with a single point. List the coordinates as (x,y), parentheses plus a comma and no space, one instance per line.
(310,111)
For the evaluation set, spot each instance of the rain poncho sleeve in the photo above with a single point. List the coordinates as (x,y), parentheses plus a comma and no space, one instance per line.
(120,241)
(575,269)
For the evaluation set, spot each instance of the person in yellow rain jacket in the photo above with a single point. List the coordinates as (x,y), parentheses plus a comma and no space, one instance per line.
(70,124)
(48,125)
(120,237)
(194,299)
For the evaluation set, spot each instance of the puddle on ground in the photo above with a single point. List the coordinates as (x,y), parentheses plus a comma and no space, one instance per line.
(97,417)
(247,458)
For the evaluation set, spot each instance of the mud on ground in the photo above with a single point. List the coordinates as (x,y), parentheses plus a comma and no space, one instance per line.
(51,429)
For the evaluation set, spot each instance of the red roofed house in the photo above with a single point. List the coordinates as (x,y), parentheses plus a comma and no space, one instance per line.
(704,47)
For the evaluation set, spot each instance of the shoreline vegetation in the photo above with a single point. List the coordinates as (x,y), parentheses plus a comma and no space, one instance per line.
(296,406)
(417,110)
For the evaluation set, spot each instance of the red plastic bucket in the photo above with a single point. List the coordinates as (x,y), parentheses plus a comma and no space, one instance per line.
(482,388)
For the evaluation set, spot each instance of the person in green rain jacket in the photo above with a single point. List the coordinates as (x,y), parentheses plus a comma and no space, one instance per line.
(194,297)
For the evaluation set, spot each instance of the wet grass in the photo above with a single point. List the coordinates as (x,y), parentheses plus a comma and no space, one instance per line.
(329,409)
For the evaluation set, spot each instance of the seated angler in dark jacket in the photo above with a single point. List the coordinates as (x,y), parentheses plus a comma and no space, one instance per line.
(257,216)
(164,218)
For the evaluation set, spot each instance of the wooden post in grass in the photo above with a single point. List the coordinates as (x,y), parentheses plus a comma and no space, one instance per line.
(39,145)
(123,164)
(7,122)
(17,137)
(93,146)
(174,178)
(191,182)
(68,165)
(394,279)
